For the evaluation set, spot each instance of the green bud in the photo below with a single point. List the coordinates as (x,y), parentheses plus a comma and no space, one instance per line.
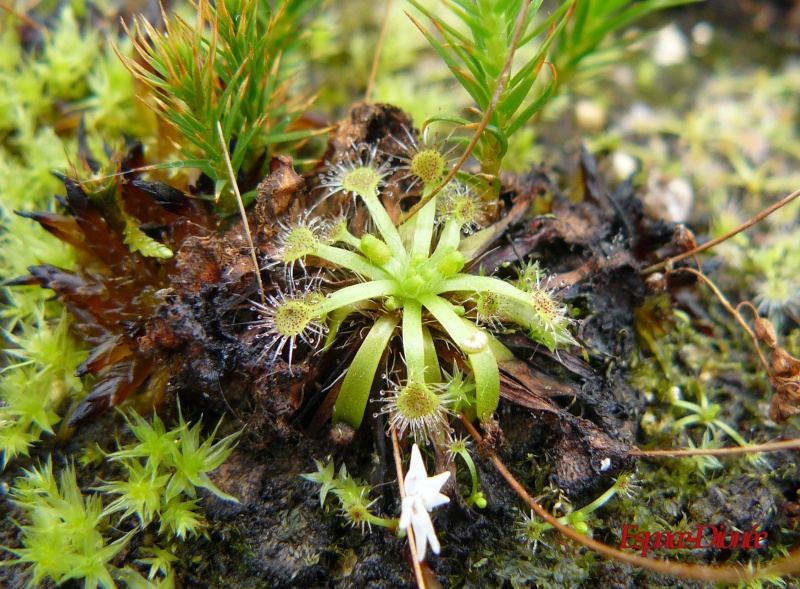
(479,500)
(392,304)
(414,285)
(451,263)
(375,249)
(418,259)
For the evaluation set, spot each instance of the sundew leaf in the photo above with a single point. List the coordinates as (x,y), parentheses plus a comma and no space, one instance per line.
(357,382)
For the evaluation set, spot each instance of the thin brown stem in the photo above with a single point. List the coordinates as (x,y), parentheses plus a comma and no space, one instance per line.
(793,444)
(150,168)
(748,305)
(177,165)
(747,224)
(739,319)
(23,17)
(498,91)
(239,202)
(374,71)
(712,573)
(398,463)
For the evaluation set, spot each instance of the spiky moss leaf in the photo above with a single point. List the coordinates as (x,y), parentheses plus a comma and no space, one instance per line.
(26,167)
(68,56)
(26,401)
(325,477)
(22,98)
(24,244)
(138,241)
(15,439)
(181,518)
(155,442)
(140,494)
(10,46)
(112,109)
(165,466)
(63,540)
(41,360)
(47,346)
(192,459)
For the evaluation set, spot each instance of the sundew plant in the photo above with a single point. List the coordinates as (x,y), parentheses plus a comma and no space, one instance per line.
(411,277)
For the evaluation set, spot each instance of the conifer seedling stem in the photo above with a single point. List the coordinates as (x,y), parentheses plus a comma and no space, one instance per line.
(501,83)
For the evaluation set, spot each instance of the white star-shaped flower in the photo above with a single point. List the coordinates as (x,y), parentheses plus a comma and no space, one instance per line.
(422,495)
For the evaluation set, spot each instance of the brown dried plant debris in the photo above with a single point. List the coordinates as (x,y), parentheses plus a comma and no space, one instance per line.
(169,325)
(785,378)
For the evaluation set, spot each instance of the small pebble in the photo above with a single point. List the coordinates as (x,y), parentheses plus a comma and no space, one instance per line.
(671,46)
(624,164)
(590,116)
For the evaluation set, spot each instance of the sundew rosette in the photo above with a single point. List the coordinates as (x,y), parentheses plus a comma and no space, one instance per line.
(409,282)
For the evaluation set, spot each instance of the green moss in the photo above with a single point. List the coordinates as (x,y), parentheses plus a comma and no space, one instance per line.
(64,537)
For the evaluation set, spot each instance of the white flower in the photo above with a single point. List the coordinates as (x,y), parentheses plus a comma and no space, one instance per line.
(422,495)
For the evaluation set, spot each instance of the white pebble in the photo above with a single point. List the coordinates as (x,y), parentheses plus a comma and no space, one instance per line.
(671,47)
(590,115)
(702,33)
(624,164)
